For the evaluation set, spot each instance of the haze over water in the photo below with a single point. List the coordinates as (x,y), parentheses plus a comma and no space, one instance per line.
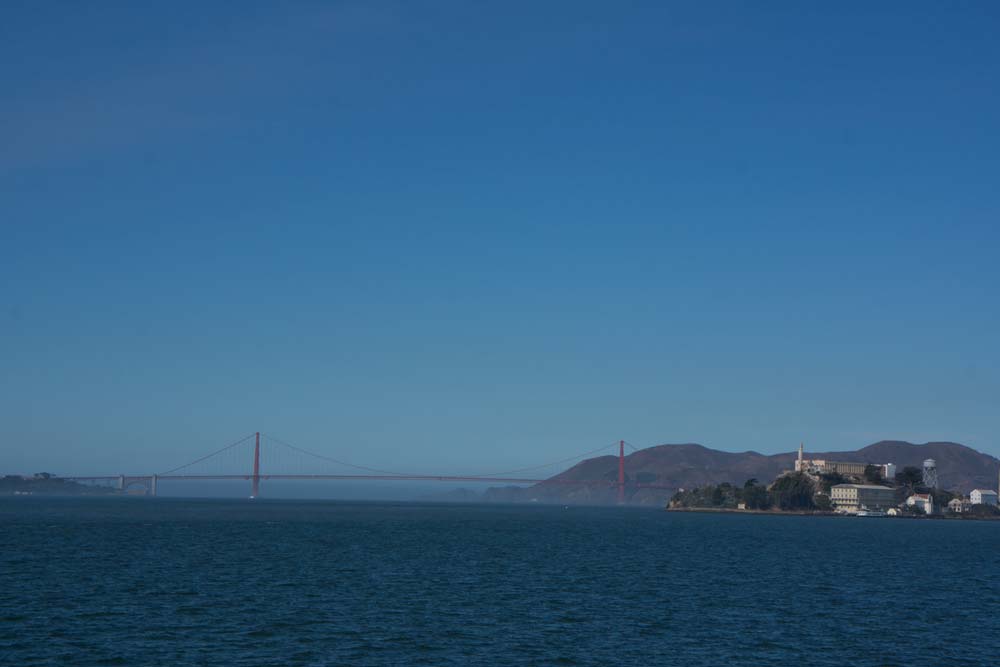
(105,581)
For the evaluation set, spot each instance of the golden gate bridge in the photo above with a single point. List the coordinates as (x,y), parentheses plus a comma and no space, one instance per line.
(258,457)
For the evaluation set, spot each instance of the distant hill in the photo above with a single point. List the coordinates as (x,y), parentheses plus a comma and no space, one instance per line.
(960,468)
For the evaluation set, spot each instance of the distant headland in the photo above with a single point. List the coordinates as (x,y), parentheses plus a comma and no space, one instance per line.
(47,484)
(655,475)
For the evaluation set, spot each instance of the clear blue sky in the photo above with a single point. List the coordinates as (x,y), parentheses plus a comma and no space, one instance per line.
(447,236)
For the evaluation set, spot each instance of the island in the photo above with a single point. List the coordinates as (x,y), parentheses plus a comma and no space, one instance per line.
(821,486)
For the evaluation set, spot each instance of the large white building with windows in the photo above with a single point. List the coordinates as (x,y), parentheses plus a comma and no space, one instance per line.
(854,497)
(852,468)
(983,497)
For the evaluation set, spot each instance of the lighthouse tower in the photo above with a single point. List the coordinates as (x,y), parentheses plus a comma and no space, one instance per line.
(800,464)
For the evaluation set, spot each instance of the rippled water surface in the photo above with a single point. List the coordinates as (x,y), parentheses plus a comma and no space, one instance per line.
(178,582)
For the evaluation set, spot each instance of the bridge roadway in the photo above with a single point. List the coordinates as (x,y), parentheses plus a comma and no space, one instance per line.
(426,478)
(151,480)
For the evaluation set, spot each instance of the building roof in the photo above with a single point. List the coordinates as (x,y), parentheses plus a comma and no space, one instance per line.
(985,491)
(922,496)
(860,486)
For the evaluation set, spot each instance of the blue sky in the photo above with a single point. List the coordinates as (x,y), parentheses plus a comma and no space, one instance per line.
(453,236)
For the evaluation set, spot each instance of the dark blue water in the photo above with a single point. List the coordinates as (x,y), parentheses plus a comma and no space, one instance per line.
(176,582)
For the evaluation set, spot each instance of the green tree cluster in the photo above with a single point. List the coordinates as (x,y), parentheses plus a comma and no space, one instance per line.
(828,479)
(725,496)
(873,474)
(756,496)
(793,492)
(911,477)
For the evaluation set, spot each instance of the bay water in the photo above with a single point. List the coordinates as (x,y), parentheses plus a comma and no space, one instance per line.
(161,581)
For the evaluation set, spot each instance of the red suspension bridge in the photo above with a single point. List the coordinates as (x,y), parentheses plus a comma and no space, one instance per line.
(257,457)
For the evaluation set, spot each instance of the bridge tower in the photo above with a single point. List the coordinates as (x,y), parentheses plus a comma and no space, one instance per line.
(255,482)
(621,472)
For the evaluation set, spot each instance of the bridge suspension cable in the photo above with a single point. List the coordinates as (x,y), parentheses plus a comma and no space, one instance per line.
(207,456)
(301,450)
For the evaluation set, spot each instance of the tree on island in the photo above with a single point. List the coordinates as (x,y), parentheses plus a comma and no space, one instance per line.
(722,496)
(718,496)
(755,496)
(828,479)
(941,497)
(911,477)
(873,474)
(793,492)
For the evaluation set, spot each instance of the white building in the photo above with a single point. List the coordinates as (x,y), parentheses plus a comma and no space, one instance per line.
(983,497)
(923,501)
(849,468)
(854,497)
(959,505)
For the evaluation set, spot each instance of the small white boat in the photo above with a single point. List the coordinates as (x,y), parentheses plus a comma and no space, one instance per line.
(871,513)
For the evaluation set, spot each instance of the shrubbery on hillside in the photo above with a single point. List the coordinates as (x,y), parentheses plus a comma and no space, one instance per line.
(726,496)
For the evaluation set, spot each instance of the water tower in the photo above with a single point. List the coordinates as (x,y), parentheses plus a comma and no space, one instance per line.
(930,474)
